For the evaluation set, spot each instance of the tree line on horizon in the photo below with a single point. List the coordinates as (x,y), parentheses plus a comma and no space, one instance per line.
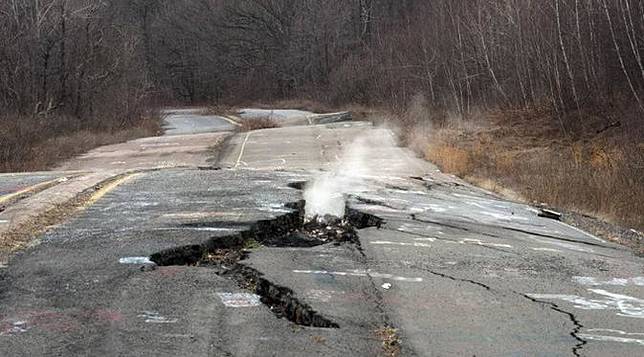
(88,59)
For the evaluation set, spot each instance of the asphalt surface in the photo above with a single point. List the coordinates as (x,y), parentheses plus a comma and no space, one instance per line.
(453,269)
(14,183)
(284,117)
(188,140)
(191,121)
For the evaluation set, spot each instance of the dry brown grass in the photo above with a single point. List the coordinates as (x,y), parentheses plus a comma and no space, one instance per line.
(524,155)
(257,123)
(37,143)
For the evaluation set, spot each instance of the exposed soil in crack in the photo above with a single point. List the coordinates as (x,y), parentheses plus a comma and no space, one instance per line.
(223,254)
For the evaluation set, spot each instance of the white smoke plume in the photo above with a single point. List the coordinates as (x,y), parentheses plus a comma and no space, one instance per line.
(361,160)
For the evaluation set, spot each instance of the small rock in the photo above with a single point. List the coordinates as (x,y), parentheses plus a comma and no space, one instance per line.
(386,286)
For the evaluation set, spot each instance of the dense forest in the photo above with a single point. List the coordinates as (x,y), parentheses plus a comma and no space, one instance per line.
(86,57)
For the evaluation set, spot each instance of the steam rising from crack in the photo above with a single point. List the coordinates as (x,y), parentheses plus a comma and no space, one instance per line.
(360,161)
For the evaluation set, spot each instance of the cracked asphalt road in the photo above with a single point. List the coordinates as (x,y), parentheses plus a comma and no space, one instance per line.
(454,269)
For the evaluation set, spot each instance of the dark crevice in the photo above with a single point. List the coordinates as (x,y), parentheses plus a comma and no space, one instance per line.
(279,299)
(453,278)
(578,326)
(361,220)
(453,226)
(486,287)
(553,237)
(298,185)
(224,253)
(368,201)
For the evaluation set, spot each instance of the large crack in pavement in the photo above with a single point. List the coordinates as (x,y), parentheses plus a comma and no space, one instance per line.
(224,255)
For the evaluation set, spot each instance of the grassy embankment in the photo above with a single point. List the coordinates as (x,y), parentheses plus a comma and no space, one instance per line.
(594,166)
(30,143)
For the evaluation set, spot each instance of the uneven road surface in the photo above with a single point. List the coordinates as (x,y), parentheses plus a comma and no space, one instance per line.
(193,256)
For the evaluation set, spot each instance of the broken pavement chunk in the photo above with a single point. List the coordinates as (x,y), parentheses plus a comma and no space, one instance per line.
(546,213)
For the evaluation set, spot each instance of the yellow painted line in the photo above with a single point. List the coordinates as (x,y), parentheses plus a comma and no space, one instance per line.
(107,188)
(231,121)
(30,189)
(241,151)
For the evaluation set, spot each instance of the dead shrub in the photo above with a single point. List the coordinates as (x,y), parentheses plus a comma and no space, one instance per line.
(258,123)
(29,143)
(451,159)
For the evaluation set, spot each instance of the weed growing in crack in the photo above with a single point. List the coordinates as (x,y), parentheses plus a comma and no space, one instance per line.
(390,341)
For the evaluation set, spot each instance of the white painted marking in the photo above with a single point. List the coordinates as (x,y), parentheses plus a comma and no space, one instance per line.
(480,242)
(204,229)
(136,260)
(15,327)
(628,306)
(619,332)
(384,242)
(610,338)
(239,299)
(241,151)
(321,295)
(231,121)
(154,317)
(540,249)
(592,281)
(360,274)
(428,239)
(3,221)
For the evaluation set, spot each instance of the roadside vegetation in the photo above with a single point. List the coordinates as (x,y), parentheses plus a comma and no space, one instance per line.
(31,143)
(71,78)
(257,123)
(595,168)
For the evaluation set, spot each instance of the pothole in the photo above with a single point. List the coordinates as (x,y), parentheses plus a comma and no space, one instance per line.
(223,254)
